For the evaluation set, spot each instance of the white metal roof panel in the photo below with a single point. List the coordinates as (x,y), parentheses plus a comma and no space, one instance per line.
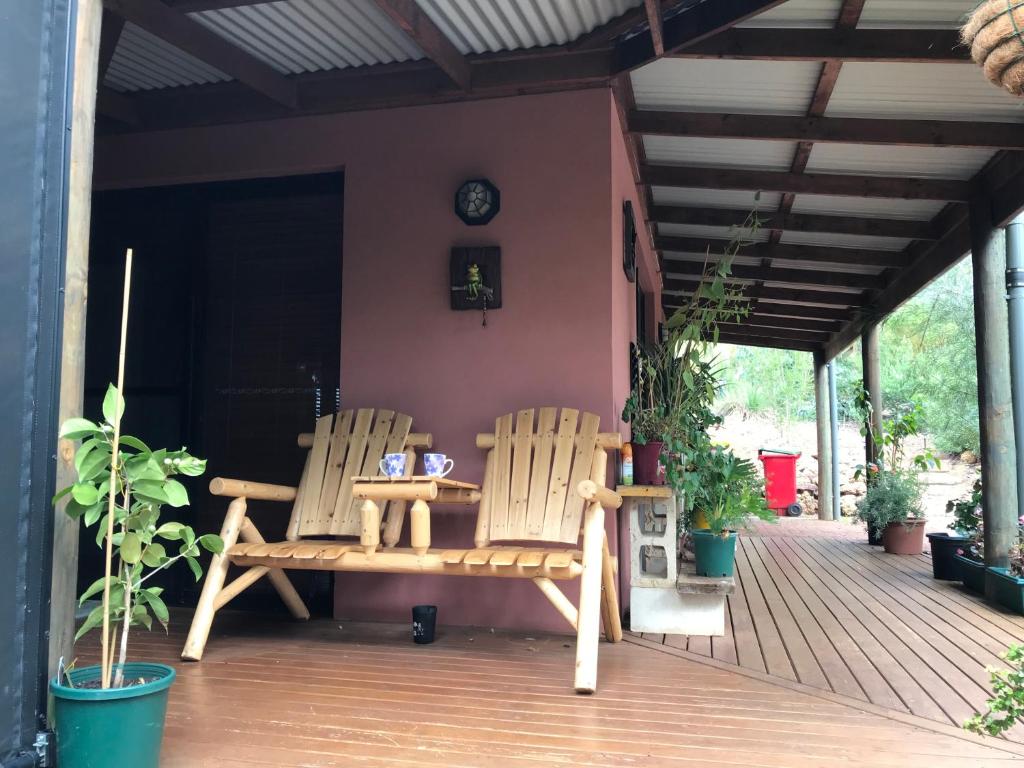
(798,13)
(921,91)
(699,85)
(814,266)
(868,207)
(720,153)
(832,240)
(915,162)
(143,61)
(480,26)
(296,36)
(915,14)
(733,199)
(717,233)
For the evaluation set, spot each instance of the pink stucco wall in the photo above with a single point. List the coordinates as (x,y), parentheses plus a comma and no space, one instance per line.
(561,337)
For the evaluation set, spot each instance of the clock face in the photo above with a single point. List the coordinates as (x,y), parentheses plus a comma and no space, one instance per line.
(477,201)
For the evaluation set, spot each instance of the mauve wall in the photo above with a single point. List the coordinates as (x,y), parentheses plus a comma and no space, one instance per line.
(561,337)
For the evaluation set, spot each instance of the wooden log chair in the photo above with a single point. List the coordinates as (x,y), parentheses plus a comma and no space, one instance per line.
(344,445)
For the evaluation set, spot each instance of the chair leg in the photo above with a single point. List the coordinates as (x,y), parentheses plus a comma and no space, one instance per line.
(277,577)
(215,575)
(589,623)
(610,596)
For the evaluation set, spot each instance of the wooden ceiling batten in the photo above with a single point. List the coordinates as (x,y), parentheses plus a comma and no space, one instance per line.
(412,20)
(653,9)
(790,298)
(768,250)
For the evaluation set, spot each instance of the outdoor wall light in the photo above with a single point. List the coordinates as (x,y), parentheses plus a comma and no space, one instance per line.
(477,201)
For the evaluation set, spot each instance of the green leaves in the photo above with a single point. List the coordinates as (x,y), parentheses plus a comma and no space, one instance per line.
(85,494)
(93,620)
(176,494)
(76,429)
(131,548)
(113,405)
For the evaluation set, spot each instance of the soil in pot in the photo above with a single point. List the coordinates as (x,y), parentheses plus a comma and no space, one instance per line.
(714,555)
(904,538)
(647,469)
(98,727)
(944,549)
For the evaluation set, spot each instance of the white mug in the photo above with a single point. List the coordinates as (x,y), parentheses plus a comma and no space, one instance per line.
(437,464)
(392,465)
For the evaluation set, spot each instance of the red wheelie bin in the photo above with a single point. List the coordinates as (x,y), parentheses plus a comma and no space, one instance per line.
(780,481)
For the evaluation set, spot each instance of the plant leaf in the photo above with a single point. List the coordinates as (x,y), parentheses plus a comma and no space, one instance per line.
(85,494)
(94,619)
(152,490)
(113,404)
(170,531)
(177,496)
(154,555)
(134,442)
(194,565)
(74,429)
(131,548)
(211,542)
(92,514)
(94,588)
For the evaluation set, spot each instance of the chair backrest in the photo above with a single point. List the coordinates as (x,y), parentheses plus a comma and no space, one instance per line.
(345,445)
(533,472)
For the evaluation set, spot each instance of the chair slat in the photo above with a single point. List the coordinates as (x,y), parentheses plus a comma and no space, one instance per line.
(335,461)
(351,518)
(393,512)
(543,447)
(519,492)
(453,556)
(295,522)
(530,559)
(502,476)
(581,470)
(478,556)
(504,557)
(560,471)
(352,467)
(315,478)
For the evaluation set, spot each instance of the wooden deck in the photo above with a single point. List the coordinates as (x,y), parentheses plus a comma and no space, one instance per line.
(816,605)
(271,692)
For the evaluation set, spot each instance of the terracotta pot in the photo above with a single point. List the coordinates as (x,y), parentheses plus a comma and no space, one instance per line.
(647,469)
(904,538)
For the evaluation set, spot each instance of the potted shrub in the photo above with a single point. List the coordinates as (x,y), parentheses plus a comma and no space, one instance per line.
(945,546)
(892,506)
(112,714)
(1006,585)
(733,494)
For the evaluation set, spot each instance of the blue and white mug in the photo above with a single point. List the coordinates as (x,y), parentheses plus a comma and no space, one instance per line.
(393,465)
(437,464)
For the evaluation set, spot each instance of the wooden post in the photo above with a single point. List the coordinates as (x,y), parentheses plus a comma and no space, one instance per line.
(870,357)
(369,537)
(589,621)
(995,409)
(276,576)
(72,363)
(419,526)
(821,414)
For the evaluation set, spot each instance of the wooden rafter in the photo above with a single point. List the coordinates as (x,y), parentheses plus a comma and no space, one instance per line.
(746,329)
(863,45)
(790,298)
(747,340)
(193,38)
(654,23)
(812,254)
(824,277)
(843,130)
(818,183)
(797,222)
(411,19)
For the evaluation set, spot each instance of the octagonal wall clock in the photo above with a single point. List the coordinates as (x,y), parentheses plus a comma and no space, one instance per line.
(477,201)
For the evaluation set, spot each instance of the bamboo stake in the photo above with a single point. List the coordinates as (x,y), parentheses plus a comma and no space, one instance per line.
(107,651)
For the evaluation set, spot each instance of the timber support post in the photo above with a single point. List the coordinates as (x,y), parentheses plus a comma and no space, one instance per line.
(995,410)
(871,363)
(822,411)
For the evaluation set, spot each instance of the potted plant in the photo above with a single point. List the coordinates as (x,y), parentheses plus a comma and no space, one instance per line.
(944,546)
(113,713)
(733,494)
(970,561)
(892,506)
(1006,585)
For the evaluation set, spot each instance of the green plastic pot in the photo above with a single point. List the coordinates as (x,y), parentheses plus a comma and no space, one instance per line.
(715,555)
(115,727)
(1005,588)
(972,573)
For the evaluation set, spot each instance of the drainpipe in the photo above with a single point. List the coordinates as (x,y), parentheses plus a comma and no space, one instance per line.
(1015,303)
(833,423)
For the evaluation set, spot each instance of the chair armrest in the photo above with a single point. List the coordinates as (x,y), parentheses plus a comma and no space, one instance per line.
(223,486)
(606,497)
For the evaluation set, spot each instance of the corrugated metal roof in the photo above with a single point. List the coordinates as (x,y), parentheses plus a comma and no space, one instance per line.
(296,36)
(921,91)
(479,26)
(732,199)
(143,61)
(755,87)
(917,162)
(720,153)
(798,13)
(813,266)
(718,233)
(915,14)
(830,240)
(867,207)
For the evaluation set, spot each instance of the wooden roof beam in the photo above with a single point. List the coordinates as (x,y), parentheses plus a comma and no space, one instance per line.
(812,183)
(832,45)
(748,340)
(796,222)
(653,10)
(747,329)
(809,253)
(192,37)
(842,130)
(790,299)
(823,277)
(411,19)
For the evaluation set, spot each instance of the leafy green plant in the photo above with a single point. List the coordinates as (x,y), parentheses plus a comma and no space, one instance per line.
(966,513)
(137,484)
(729,492)
(893,497)
(1006,707)
(905,422)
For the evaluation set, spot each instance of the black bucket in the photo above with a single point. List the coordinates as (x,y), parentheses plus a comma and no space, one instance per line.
(424,622)
(944,549)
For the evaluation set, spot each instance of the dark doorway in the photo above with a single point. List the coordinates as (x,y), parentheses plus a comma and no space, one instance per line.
(234,339)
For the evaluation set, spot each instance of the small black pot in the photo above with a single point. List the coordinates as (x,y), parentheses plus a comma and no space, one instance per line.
(874,536)
(424,622)
(944,549)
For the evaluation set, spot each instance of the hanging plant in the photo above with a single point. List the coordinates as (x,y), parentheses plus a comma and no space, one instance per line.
(995,34)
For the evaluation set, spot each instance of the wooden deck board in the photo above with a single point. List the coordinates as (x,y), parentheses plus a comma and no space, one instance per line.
(271,692)
(816,605)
